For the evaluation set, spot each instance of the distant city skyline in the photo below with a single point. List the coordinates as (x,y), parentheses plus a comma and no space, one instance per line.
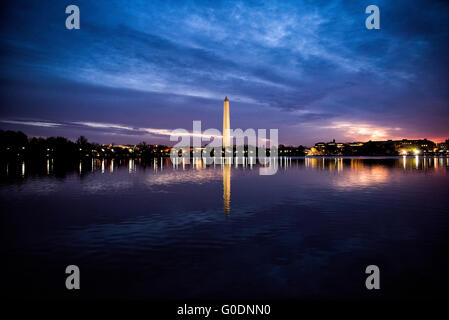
(232,141)
(135,71)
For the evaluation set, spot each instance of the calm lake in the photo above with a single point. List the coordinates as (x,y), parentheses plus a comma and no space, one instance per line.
(154,231)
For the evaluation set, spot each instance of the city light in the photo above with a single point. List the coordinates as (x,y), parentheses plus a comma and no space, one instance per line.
(416,151)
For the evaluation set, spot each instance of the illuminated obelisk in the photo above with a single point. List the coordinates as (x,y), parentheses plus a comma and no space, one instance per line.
(227,163)
(226,125)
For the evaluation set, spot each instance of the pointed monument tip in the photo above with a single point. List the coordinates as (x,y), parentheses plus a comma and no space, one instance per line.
(226,99)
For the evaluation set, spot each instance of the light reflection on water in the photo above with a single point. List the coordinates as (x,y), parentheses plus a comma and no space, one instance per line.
(177,231)
(352,173)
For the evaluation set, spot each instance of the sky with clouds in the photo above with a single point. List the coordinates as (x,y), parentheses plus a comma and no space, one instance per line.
(135,70)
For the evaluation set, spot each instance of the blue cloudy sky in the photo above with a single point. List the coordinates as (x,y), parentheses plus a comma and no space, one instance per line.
(137,69)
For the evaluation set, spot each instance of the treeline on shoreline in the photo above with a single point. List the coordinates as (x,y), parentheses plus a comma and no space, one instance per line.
(17,145)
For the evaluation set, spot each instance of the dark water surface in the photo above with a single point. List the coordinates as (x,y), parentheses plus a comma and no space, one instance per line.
(152,231)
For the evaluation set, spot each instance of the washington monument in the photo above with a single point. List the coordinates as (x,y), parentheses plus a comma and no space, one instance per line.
(226,124)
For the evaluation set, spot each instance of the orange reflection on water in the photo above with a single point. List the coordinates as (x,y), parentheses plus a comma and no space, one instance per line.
(362,175)
(226,188)
(362,178)
(198,163)
(315,162)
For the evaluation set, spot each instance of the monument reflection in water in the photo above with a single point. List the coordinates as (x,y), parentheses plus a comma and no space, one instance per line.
(158,230)
(227,188)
